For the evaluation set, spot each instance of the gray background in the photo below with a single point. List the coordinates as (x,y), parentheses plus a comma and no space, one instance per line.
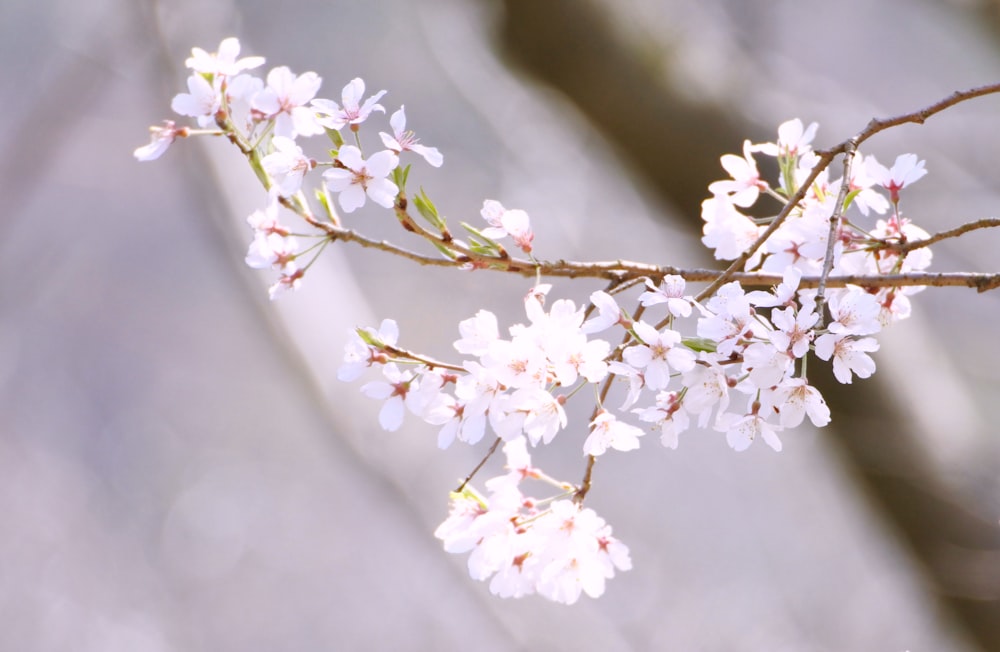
(180,469)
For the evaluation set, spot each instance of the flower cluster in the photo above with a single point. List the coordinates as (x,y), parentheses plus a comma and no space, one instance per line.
(553,547)
(265,118)
(733,361)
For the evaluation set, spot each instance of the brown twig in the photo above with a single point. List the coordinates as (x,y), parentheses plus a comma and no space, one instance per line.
(831,238)
(489,454)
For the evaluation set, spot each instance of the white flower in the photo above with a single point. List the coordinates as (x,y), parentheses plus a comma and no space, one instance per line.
(906,171)
(286,165)
(284,100)
(854,312)
(224,62)
(352,112)
(746,184)
(403,140)
(794,399)
(161,138)
(795,329)
(793,139)
(782,295)
(360,178)
(608,432)
(669,415)
(477,333)
(658,354)
(707,386)
(393,390)
(608,313)
(670,292)
(849,355)
(504,222)
(727,231)
(544,414)
(742,430)
(766,364)
(202,101)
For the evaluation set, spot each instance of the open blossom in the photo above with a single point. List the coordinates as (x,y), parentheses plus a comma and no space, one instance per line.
(728,231)
(202,101)
(360,178)
(854,312)
(284,100)
(671,292)
(906,171)
(224,62)
(794,399)
(746,184)
(504,222)
(286,165)
(862,179)
(793,139)
(660,353)
(742,430)
(352,111)
(403,140)
(850,355)
(794,332)
(608,313)
(669,415)
(608,432)
(394,390)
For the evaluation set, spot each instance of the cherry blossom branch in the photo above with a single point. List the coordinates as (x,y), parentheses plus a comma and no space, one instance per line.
(513,388)
(831,238)
(731,272)
(621,271)
(877,125)
(906,247)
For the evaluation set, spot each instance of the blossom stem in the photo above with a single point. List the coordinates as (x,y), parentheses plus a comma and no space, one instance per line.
(489,453)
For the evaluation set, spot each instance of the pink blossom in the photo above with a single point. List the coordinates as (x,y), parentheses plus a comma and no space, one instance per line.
(403,140)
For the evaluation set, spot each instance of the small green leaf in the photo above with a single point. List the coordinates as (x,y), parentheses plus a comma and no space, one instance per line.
(369,337)
(335,138)
(699,344)
(445,251)
(429,211)
(850,197)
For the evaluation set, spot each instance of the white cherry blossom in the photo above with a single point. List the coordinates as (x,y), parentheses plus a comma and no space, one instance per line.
(284,100)
(360,178)
(403,140)
(352,110)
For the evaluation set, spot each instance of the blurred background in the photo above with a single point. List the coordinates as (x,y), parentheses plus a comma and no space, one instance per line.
(180,469)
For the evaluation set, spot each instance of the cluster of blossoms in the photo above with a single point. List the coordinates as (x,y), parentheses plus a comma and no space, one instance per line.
(735,362)
(265,118)
(552,547)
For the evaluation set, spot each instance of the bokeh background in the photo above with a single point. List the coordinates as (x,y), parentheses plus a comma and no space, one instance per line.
(180,469)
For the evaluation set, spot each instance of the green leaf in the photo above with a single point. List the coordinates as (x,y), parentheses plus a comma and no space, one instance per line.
(399,176)
(324,200)
(850,197)
(369,337)
(335,138)
(699,344)
(429,211)
(445,251)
